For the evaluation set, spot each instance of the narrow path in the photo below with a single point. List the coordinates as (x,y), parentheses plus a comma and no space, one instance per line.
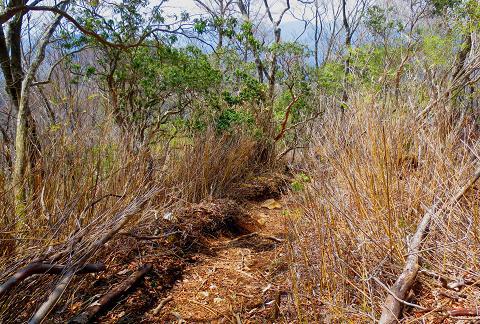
(241,281)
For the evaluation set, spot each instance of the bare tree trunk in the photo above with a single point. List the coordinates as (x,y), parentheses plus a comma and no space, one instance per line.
(462,55)
(21,136)
(348,44)
(19,166)
(317,35)
(256,55)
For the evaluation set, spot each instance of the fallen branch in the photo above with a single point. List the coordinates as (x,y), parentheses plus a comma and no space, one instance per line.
(474,311)
(45,308)
(149,237)
(113,294)
(452,295)
(44,268)
(392,308)
(398,299)
(444,280)
(449,282)
(267,237)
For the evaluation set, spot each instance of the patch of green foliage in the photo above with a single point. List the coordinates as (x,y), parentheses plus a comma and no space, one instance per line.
(251,90)
(330,77)
(378,21)
(299,182)
(231,117)
(438,49)
(368,62)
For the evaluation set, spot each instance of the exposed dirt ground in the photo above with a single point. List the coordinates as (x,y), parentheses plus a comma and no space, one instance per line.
(240,281)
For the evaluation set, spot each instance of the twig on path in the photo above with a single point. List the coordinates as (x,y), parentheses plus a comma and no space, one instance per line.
(161,304)
(268,237)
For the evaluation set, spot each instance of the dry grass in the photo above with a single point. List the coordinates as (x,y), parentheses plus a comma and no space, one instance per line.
(373,173)
(211,165)
(88,181)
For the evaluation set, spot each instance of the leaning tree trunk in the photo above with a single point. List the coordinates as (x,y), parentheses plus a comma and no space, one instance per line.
(393,305)
(19,166)
(21,103)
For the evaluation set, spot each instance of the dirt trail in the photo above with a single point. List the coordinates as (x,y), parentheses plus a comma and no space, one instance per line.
(241,281)
(217,261)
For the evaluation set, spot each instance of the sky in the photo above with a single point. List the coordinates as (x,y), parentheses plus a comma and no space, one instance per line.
(292,28)
(189,6)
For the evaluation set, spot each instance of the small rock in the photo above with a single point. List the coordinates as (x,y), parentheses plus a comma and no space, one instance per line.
(125,271)
(168,216)
(264,290)
(460,282)
(271,204)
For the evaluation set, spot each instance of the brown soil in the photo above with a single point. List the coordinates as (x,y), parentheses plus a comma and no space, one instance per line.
(239,281)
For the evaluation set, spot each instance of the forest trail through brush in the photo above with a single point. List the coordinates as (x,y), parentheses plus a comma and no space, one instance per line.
(243,280)
(221,261)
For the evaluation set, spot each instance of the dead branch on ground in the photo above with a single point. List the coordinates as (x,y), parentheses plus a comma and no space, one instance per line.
(121,219)
(473,311)
(392,308)
(110,296)
(161,304)
(44,268)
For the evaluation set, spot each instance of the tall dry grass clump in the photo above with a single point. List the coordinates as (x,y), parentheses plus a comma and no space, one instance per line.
(373,172)
(211,164)
(84,173)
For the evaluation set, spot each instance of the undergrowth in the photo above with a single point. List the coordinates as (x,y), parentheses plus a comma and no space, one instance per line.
(372,174)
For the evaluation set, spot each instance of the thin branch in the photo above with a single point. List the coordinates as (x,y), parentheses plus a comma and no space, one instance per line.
(44,268)
(283,13)
(9,13)
(285,120)
(303,121)
(397,298)
(52,68)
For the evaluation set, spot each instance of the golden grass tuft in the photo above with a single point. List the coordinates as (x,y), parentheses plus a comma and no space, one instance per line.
(373,172)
